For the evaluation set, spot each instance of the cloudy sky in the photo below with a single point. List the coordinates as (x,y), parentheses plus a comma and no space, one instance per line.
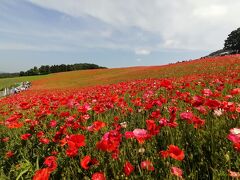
(112,33)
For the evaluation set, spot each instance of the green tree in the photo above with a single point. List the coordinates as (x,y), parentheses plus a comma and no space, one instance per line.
(35,70)
(44,69)
(233,41)
(22,73)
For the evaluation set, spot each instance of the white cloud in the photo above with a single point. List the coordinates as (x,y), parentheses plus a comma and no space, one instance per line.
(170,43)
(184,24)
(213,11)
(142,51)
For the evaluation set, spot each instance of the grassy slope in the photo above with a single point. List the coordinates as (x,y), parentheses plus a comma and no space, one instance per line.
(85,78)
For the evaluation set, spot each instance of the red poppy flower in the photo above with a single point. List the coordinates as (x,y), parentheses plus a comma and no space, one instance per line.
(235,91)
(42,174)
(25,136)
(197,101)
(14,125)
(9,154)
(110,141)
(98,176)
(53,123)
(44,140)
(164,154)
(87,161)
(213,104)
(202,109)
(207,92)
(97,125)
(40,134)
(78,140)
(198,122)
(71,152)
(129,135)
(236,146)
(152,128)
(192,119)
(51,162)
(128,168)
(6,139)
(187,116)
(54,153)
(175,153)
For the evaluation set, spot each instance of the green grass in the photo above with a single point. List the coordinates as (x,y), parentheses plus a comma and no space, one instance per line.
(8,82)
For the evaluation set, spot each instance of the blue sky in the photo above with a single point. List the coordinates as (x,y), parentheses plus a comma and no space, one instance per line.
(111,33)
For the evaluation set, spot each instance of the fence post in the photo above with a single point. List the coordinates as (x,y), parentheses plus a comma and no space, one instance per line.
(5,91)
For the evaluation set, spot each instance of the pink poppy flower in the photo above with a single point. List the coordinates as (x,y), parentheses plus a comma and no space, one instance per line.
(147,165)
(141,135)
(176,171)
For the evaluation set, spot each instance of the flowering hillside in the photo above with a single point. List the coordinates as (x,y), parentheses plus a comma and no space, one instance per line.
(167,122)
(85,78)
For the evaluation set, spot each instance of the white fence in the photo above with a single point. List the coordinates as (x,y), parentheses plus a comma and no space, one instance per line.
(22,87)
(6,92)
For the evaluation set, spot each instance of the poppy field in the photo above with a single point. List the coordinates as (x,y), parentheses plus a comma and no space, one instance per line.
(178,121)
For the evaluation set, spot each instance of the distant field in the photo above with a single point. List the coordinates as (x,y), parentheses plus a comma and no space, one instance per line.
(8,82)
(76,79)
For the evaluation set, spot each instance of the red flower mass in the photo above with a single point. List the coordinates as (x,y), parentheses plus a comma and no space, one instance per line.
(113,131)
